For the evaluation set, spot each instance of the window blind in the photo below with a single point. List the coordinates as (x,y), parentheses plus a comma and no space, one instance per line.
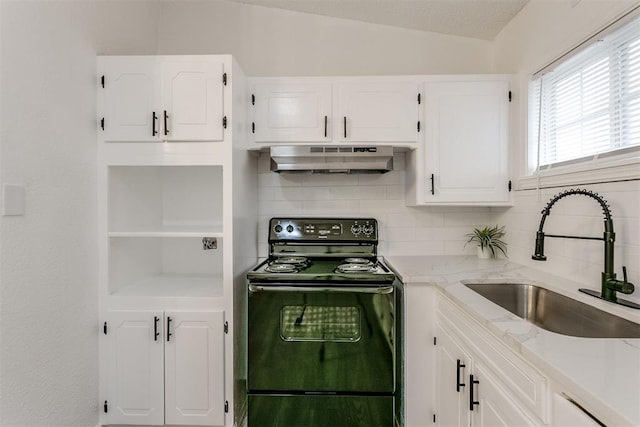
(590,103)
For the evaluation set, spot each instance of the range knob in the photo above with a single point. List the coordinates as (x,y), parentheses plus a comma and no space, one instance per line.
(367,230)
(277,228)
(290,228)
(356,229)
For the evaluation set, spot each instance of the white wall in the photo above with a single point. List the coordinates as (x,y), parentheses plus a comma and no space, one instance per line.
(541,32)
(48,257)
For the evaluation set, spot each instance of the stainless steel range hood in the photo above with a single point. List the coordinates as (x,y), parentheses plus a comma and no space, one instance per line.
(331,159)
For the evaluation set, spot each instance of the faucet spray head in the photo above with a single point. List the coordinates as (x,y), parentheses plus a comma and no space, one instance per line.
(539,251)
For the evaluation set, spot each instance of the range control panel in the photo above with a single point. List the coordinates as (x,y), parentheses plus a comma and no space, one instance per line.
(323,229)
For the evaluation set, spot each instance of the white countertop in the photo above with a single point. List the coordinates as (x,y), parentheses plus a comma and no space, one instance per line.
(604,374)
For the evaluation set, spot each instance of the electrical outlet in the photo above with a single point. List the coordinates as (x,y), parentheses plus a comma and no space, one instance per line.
(209,243)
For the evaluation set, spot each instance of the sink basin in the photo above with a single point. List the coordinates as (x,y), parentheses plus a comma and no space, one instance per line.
(556,313)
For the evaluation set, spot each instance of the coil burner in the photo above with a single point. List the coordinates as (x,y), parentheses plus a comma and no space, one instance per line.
(295,260)
(357,265)
(281,268)
(287,264)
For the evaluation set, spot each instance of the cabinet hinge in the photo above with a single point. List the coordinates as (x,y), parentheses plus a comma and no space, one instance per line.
(253,127)
(435,340)
(419,99)
(509,185)
(226,327)
(509,96)
(102,123)
(253,99)
(224,79)
(104,328)
(226,406)
(224,122)
(102,81)
(418,125)
(105,407)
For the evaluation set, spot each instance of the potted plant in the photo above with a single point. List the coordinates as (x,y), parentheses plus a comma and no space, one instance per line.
(489,241)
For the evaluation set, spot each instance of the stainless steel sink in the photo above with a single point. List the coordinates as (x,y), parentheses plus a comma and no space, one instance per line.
(556,313)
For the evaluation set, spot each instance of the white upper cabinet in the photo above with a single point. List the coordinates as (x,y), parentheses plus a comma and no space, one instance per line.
(289,111)
(192,98)
(464,159)
(346,110)
(131,98)
(161,98)
(377,112)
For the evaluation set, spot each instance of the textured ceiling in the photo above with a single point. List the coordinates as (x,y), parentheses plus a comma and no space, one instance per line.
(482,19)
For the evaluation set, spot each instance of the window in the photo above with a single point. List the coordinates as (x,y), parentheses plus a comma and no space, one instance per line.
(588,106)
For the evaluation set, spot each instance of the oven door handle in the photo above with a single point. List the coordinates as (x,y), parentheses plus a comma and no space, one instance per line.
(289,288)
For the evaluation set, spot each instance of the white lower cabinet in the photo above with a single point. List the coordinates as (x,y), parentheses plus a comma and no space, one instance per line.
(452,396)
(165,367)
(567,413)
(478,383)
(459,374)
(492,403)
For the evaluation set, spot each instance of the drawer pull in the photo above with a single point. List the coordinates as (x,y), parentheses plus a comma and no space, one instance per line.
(460,365)
(474,383)
(156,319)
(169,329)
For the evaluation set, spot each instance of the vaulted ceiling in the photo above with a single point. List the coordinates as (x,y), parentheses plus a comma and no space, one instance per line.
(482,19)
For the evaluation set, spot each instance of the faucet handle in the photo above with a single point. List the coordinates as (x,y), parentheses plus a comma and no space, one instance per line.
(624,286)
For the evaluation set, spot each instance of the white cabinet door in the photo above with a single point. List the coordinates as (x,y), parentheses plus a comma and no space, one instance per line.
(494,407)
(420,355)
(453,365)
(568,414)
(291,112)
(135,358)
(377,112)
(466,137)
(194,368)
(192,99)
(131,99)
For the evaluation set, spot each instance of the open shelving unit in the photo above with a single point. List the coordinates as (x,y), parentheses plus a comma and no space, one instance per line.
(165,230)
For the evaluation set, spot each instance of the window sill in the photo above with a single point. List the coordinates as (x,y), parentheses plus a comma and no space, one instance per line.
(586,173)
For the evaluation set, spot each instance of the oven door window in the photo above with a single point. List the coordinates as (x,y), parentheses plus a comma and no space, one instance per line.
(320,323)
(301,340)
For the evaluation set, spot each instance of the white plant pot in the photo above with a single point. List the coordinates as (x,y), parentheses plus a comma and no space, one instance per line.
(483,253)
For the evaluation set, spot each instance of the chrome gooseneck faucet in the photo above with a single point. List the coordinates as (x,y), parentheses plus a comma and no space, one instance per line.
(610,285)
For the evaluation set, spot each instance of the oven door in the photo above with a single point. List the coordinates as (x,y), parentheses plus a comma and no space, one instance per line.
(314,339)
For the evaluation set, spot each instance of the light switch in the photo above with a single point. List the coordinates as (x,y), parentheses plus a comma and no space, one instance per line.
(12,199)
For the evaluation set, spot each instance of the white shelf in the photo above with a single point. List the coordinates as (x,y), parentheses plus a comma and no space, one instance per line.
(175,285)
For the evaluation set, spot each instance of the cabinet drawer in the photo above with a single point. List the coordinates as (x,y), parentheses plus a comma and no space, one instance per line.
(523,380)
